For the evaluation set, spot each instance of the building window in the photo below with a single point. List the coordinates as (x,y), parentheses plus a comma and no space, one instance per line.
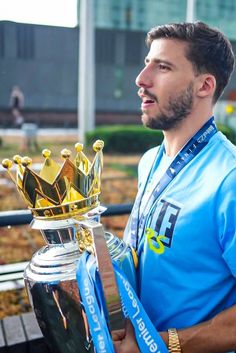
(133,48)
(227,10)
(128,16)
(119,82)
(116,24)
(105,47)
(116,8)
(25,41)
(2,41)
(116,16)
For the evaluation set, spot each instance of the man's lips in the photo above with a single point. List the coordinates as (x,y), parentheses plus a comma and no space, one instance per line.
(147,98)
(147,104)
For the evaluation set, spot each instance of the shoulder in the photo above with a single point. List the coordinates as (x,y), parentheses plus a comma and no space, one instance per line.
(228,146)
(221,155)
(149,155)
(217,165)
(225,152)
(224,171)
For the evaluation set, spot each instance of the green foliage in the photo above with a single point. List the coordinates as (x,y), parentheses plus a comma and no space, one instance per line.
(128,139)
(130,170)
(227,131)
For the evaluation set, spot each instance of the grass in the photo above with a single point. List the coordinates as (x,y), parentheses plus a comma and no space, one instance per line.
(130,170)
(12,145)
(15,145)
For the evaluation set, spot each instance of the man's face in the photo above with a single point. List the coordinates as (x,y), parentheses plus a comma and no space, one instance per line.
(166,85)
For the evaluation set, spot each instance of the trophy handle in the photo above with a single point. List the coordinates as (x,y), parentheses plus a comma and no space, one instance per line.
(107,275)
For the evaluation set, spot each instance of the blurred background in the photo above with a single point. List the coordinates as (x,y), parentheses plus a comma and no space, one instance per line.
(67,72)
(42,58)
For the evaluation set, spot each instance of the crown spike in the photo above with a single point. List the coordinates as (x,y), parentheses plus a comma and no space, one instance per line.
(79,147)
(7,164)
(98,145)
(26,161)
(17,159)
(65,153)
(50,168)
(96,168)
(46,153)
(81,161)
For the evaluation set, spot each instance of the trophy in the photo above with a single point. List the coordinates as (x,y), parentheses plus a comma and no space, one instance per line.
(64,201)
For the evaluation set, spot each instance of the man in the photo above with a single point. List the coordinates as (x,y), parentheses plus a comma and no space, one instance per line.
(17,104)
(184,219)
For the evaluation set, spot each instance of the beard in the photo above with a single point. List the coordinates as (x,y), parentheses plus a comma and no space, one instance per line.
(176,110)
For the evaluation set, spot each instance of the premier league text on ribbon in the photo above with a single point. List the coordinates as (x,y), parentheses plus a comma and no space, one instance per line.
(144,334)
(97,327)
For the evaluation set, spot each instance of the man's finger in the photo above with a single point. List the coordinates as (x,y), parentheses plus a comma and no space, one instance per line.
(129,329)
(118,335)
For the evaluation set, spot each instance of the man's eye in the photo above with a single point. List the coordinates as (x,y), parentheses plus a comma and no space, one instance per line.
(164,67)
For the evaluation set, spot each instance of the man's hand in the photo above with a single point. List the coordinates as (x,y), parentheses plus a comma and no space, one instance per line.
(124,340)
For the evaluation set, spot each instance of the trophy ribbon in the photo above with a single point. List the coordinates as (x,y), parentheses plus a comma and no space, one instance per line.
(148,339)
(107,275)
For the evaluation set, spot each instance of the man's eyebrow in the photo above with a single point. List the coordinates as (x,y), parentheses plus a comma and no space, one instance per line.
(158,61)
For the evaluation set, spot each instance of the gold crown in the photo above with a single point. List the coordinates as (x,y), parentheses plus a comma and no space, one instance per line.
(59,191)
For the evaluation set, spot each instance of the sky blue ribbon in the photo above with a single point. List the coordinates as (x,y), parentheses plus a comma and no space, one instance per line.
(149,340)
(93,305)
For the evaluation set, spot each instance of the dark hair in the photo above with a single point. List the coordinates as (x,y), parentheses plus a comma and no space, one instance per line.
(208,49)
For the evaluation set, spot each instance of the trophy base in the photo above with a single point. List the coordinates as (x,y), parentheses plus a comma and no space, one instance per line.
(50,280)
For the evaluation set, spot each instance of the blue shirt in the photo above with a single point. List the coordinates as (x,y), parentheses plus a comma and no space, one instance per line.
(187,256)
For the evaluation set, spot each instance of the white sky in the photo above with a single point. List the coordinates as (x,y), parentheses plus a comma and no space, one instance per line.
(48,12)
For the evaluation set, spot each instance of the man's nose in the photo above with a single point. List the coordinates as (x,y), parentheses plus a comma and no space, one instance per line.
(144,79)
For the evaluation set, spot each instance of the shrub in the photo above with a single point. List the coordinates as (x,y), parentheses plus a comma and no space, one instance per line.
(227,131)
(132,139)
(125,138)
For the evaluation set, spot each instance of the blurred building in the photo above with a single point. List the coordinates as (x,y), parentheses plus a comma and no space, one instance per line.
(141,15)
(43,60)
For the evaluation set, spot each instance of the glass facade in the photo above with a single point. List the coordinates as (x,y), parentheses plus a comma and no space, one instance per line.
(140,15)
(218,13)
(137,15)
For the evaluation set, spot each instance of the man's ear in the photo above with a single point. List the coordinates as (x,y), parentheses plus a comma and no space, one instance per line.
(206,85)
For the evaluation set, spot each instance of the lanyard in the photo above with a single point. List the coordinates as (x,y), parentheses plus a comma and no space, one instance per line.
(149,340)
(186,154)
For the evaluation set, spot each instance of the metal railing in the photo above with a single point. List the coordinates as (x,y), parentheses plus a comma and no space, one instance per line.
(21,217)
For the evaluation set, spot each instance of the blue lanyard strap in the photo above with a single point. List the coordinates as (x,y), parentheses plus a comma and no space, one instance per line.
(186,154)
(147,337)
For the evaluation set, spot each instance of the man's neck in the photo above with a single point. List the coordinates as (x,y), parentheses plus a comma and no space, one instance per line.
(176,138)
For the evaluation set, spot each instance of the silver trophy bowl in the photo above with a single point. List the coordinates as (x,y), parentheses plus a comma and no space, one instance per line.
(50,280)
